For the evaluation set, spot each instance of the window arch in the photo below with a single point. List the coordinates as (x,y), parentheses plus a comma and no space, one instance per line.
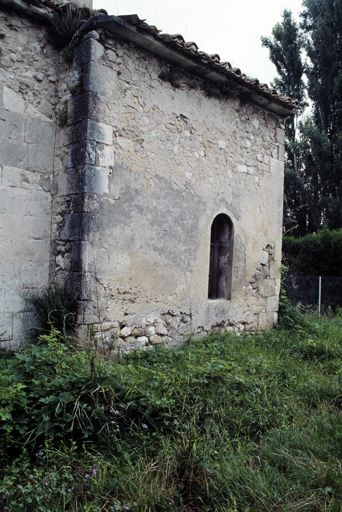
(221,258)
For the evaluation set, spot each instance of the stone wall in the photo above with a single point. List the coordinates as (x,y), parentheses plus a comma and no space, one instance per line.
(154,164)
(32,83)
(110,179)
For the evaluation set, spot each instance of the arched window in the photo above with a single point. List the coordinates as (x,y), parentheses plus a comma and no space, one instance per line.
(221,258)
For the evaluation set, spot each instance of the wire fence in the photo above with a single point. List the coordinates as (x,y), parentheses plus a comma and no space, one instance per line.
(314,292)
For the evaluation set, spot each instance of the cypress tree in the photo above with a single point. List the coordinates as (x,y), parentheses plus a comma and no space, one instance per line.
(313,166)
(285,51)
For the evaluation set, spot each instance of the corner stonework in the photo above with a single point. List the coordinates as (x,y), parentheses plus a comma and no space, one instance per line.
(90,162)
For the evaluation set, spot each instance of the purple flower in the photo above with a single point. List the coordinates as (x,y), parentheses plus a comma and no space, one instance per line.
(260,357)
(111,410)
(127,508)
(40,454)
(143,426)
(4,496)
(46,483)
(69,490)
(86,476)
(95,470)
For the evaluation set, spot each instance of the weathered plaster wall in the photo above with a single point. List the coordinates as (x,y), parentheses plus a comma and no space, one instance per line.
(150,194)
(32,90)
(110,179)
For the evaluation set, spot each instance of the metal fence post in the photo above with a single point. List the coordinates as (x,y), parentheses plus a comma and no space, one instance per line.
(319,295)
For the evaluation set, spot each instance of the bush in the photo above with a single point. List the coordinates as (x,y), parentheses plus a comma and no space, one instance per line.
(55,308)
(38,383)
(66,20)
(289,316)
(315,254)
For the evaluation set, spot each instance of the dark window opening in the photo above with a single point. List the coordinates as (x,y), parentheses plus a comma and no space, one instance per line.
(221,258)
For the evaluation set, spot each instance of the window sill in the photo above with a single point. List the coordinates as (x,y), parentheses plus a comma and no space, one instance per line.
(219,300)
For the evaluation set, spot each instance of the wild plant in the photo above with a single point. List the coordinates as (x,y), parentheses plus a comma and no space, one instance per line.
(250,422)
(55,308)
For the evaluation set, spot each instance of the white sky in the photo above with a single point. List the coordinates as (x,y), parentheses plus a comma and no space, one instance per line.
(231,28)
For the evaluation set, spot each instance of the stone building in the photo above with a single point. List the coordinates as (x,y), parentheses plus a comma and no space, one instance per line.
(146,174)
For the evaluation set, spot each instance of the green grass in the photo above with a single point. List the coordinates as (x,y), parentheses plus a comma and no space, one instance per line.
(226,423)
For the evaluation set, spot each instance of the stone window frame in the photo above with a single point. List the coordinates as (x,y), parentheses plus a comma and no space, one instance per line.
(221,258)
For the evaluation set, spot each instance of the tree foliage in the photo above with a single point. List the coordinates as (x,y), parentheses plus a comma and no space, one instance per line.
(308,58)
(285,52)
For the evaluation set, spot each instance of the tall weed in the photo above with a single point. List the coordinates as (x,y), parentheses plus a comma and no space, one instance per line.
(55,308)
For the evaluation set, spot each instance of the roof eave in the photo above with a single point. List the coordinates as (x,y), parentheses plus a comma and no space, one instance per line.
(119,27)
(27,8)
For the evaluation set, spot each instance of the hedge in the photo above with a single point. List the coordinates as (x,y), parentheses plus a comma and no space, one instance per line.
(317,254)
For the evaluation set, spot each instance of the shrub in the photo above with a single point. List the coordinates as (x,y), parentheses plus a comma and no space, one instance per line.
(289,316)
(317,254)
(66,20)
(55,308)
(48,390)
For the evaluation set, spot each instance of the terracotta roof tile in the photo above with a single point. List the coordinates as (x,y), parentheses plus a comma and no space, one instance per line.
(214,60)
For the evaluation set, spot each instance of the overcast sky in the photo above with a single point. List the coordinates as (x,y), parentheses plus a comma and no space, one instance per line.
(231,28)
